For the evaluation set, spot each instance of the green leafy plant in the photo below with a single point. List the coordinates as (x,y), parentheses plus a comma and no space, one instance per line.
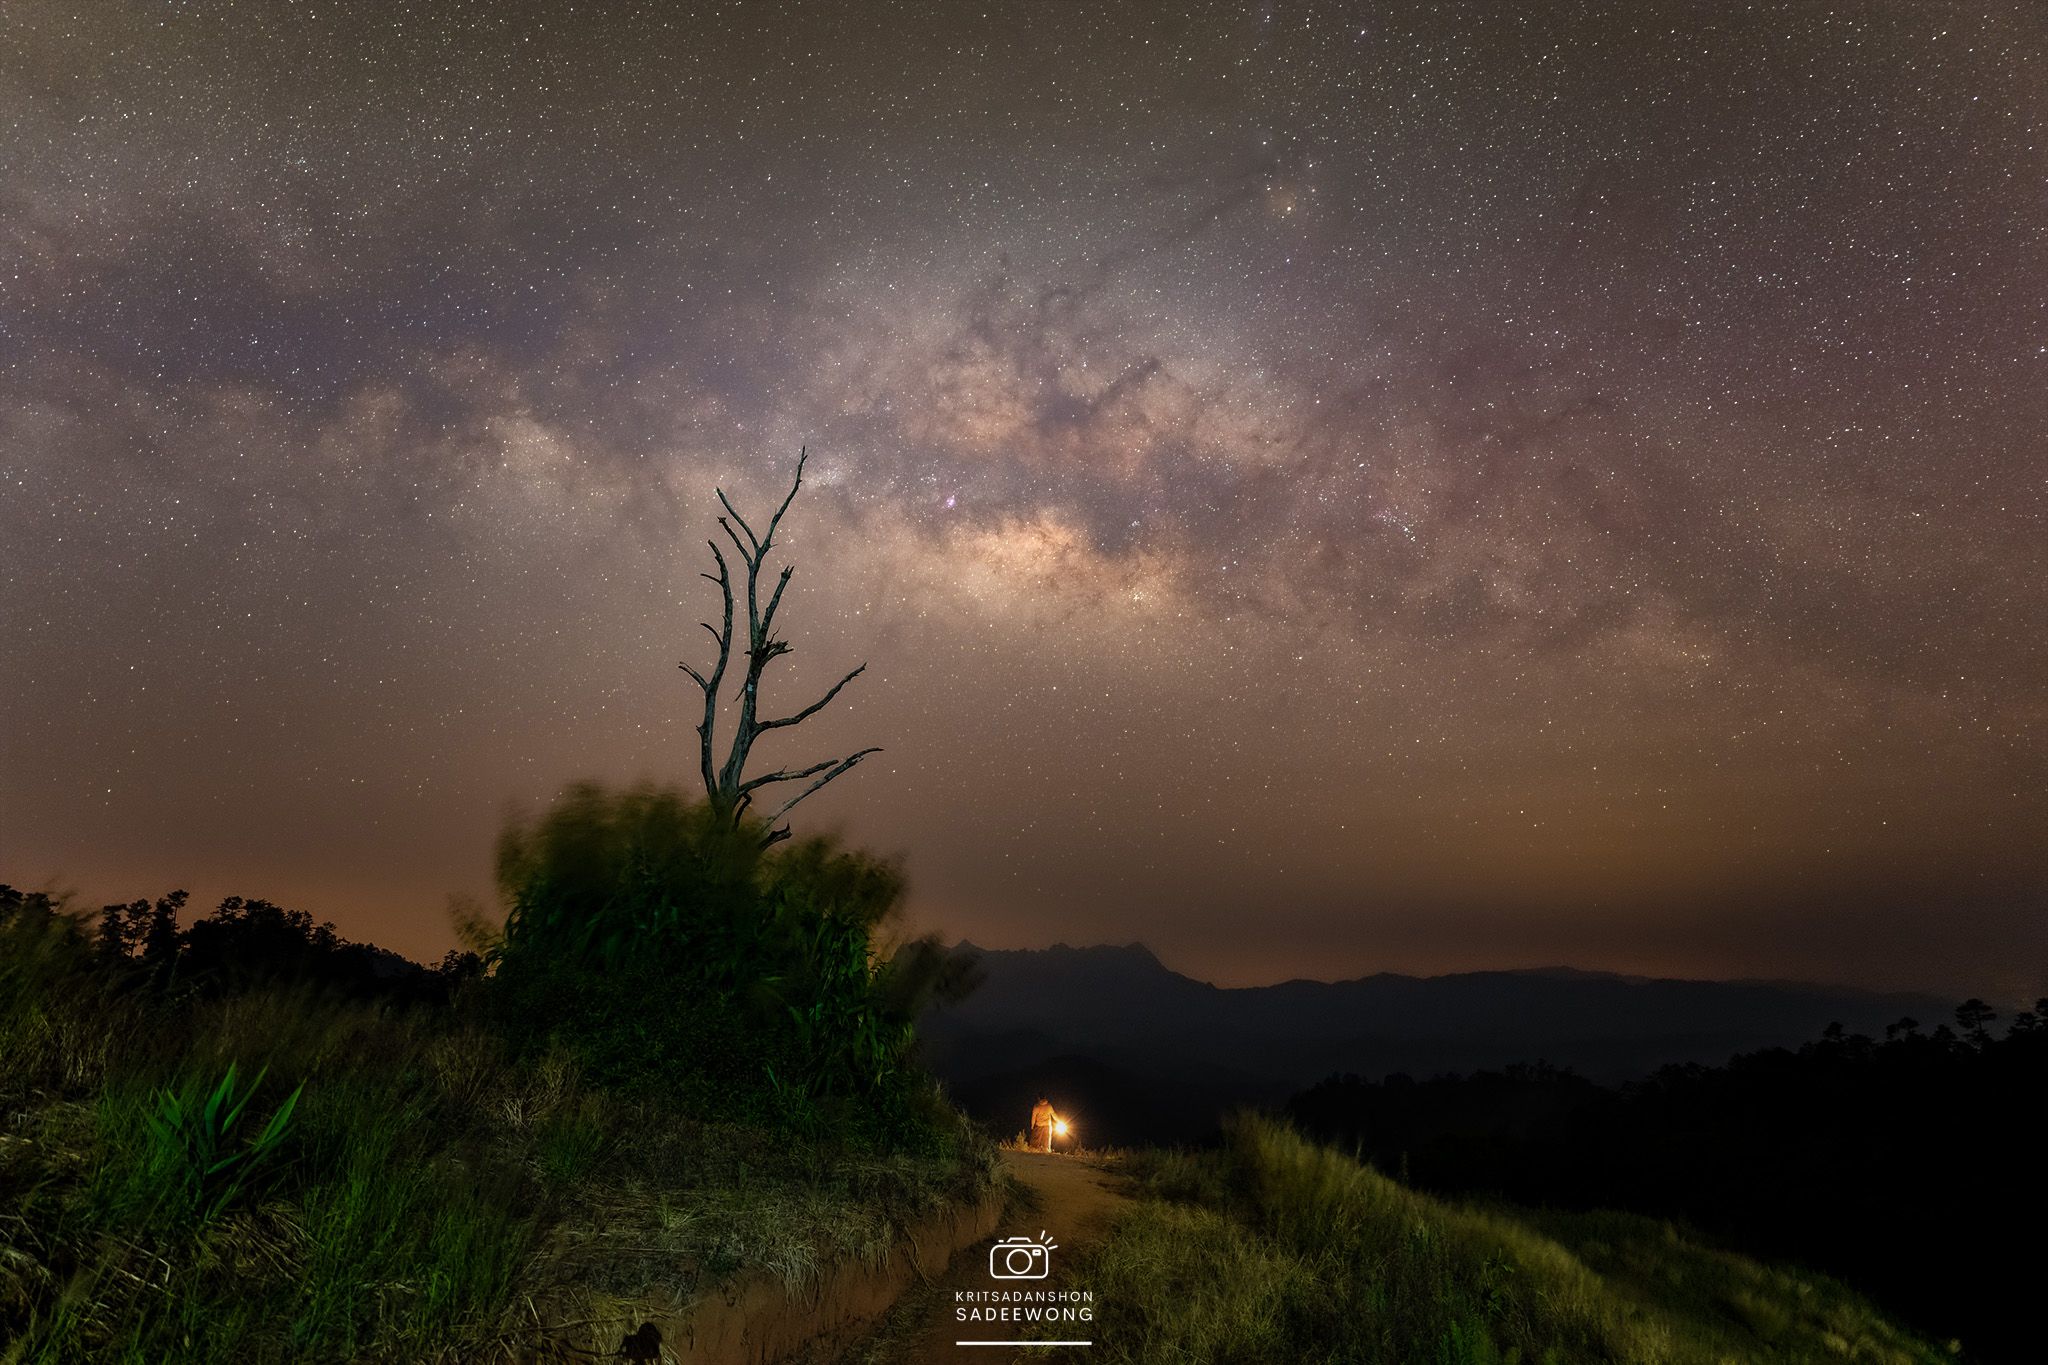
(195,1147)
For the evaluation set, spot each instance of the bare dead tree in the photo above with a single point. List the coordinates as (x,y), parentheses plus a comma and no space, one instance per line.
(727,784)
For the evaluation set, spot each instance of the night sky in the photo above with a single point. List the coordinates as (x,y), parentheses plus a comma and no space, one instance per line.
(1320,489)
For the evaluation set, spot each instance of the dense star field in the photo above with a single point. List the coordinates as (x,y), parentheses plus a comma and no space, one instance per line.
(1319,488)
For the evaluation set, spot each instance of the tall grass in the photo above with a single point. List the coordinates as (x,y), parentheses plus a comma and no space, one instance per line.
(270,1177)
(281,1175)
(194,1157)
(1276,1249)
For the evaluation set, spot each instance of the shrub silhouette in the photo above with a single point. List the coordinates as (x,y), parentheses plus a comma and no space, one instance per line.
(677,951)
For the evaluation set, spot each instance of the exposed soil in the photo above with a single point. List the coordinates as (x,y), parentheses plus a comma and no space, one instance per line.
(1072,1199)
(755,1320)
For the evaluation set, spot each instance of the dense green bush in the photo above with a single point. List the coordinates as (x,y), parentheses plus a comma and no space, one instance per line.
(674,952)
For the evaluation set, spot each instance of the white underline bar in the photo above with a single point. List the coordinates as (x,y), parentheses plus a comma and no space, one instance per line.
(1023,1343)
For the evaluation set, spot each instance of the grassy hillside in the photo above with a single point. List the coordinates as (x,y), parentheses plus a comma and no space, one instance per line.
(1275,1249)
(281,1173)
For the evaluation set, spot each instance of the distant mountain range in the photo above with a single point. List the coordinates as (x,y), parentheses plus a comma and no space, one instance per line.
(1149,1055)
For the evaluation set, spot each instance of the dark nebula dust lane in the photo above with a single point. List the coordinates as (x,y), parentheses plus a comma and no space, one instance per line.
(1320,489)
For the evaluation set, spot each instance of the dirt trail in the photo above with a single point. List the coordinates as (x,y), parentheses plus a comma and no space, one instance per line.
(1075,1199)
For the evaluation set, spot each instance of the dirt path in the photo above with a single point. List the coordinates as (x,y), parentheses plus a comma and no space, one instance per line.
(1073,1200)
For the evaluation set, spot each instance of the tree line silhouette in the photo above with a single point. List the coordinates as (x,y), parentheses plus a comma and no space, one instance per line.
(244,943)
(1911,1166)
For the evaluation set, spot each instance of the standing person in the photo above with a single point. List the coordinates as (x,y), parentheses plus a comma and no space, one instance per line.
(1042,1117)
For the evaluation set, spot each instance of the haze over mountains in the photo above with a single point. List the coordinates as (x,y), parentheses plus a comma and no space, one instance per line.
(1153,1055)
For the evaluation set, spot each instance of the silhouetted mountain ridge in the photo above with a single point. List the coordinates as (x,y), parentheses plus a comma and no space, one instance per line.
(1121,1007)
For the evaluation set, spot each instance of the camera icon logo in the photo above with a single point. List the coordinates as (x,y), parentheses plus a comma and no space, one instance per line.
(1021,1258)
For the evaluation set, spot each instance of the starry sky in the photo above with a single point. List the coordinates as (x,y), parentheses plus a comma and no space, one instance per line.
(1319,488)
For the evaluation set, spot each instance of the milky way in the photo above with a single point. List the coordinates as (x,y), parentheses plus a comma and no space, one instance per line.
(1320,489)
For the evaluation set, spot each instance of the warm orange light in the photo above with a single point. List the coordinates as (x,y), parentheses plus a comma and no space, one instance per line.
(1060,1126)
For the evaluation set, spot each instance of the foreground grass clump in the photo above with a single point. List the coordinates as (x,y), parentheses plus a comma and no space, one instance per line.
(281,1173)
(1276,1249)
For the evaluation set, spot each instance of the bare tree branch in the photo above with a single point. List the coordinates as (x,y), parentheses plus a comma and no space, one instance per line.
(772,650)
(815,706)
(758,544)
(727,785)
(708,724)
(803,453)
(746,555)
(842,766)
(779,775)
(775,599)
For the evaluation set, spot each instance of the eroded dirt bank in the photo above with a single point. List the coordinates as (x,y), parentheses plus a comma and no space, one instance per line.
(755,1320)
(1074,1200)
